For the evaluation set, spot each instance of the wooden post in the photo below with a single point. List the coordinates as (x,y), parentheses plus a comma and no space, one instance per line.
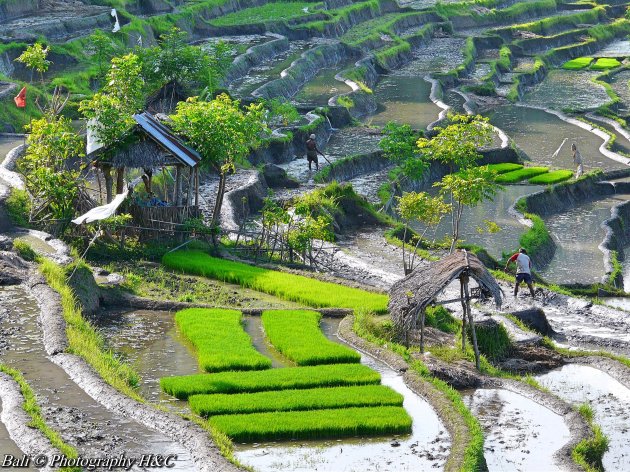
(422,318)
(178,186)
(197,186)
(120,180)
(461,296)
(189,190)
(464,279)
(107,175)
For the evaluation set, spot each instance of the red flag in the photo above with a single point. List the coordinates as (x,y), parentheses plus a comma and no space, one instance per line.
(20,98)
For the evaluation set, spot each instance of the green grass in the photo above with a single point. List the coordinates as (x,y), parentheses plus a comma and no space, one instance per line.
(505,167)
(315,424)
(494,342)
(553,177)
(266,13)
(522,174)
(275,379)
(296,334)
(295,400)
(604,63)
(84,340)
(577,63)
(24,250)
(220,340)
(291,287)
(588,453)
(32,408)
(535,238)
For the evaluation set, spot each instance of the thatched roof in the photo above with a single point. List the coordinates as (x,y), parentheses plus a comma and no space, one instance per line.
(150,144)
(414,293)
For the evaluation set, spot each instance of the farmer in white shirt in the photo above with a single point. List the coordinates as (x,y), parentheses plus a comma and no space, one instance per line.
(523,270)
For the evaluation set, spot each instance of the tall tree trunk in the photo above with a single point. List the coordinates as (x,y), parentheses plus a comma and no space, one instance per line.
(109,183)
(216,214)
(120,180)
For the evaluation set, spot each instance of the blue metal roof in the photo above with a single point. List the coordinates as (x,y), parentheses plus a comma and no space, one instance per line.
(165,138)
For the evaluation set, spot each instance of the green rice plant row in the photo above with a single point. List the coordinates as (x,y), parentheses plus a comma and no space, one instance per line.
(332,375)
(291,287)
(296,334)
(220,340)
(294,400)
(315,424)
(522,174)
(578,63)
(604,63)
(505,167)
(552,177)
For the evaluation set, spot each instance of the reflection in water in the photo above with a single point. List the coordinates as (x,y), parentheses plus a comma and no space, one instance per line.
(609,399)
(539,134)
(521,435)
(578,233)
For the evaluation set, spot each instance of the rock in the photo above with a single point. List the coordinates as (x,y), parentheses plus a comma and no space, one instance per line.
(114,279)
(86,289)
(535,319)
(5,243)
(11,269)
(277,177)
(459,375)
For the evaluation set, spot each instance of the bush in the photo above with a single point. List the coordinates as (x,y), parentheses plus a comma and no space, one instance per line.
(292,287)
(297,336)
(19,207)
(522,174)
(552,177)
(275,379)
(295,400)
(316,424)
(24,250)
(577,63)
(220,340)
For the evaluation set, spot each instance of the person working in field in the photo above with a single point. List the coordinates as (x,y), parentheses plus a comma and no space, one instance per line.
(523,270)
(312,151)
(577,160)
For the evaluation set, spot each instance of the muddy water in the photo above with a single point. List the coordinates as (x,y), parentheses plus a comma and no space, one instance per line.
(539,134)
(578,233)
(39,245)
(520,434)
(619,83)
(619,48)
(497,211)
(68,409)
(609,399)
(404,100)
(8,143)
(322,87)
(564,89)
(425,448)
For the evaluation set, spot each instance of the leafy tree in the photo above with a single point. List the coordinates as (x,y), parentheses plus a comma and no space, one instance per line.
(35,58)
(102,48)
(469,187)
(400,146)
(223,133)
(457,144)
(423,208)
(51,180)
(281,111)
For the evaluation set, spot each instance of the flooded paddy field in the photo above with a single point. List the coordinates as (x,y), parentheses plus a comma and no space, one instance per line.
(321,88)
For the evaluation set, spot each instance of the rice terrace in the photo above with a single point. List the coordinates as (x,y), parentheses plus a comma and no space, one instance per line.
(318,235)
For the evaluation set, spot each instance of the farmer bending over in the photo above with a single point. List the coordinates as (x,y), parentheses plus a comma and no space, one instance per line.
(312,151)
(523,270)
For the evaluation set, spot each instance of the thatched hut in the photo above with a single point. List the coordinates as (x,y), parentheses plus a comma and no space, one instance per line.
(150,146)
(409,298)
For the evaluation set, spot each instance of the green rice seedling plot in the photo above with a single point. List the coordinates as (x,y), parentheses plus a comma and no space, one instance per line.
(578,63)
(505,167)
(219,339)
(604,63)
(522,174)
(294,400)
(291,287)
(315,424)
(552,177)
(333,375)
(296,334)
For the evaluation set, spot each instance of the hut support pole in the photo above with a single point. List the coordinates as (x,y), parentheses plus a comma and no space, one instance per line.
(120,180)
(468,312)
(196,186)
(422,318)
(189,190)
(462,299)
(107,175)
(178,186)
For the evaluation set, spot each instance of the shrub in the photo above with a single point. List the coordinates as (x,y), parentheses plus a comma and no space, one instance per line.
(275,379)
(292,287)
(24,250)
(552,177)
(604,63)
(19,207)
(294,400)
(577,63)
(316,424)
(220,340)
(522,174)
(297,336)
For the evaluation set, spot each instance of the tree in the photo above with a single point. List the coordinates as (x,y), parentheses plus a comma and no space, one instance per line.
(102,48)
(223,133)
(110,111)
(423,208)
(469,187)
(35,58)
(51,180)
(400,146)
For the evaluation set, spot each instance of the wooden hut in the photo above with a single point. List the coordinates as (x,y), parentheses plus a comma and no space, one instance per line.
(409,298)
(152,147)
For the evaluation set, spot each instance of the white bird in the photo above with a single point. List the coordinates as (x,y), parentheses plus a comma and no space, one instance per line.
(555,154)
(117,24)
